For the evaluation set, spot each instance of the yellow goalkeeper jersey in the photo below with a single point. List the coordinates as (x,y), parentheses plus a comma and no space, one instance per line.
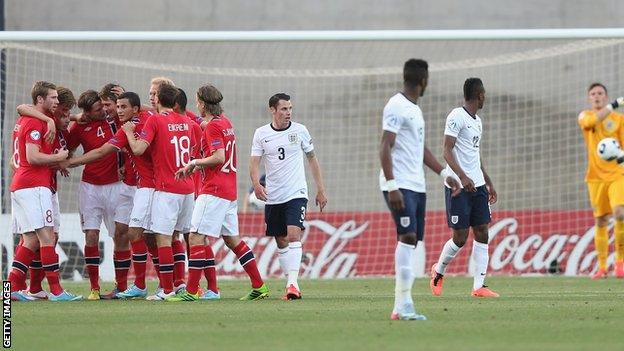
(599,170)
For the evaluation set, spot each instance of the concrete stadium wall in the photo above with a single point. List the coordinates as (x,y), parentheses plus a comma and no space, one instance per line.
(297,15)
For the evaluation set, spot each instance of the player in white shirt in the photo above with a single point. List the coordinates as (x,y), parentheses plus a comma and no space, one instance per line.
(282,143)
(471,208)
(402,179)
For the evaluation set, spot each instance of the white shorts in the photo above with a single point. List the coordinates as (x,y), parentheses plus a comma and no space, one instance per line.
(97,204)
(215,216)
(141,208)
(56,212)
(31,209)
(171,212)
(125,203)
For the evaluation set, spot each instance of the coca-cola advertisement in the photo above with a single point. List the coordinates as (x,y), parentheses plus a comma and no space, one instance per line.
(339,245)
(357,244)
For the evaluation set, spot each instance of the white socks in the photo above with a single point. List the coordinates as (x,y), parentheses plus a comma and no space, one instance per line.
(404,276)
(481,258)
(282,255)
(294,262)
(449,251)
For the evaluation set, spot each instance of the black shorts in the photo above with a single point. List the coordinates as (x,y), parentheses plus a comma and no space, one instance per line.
(277,217)
(412,218)
(467,209)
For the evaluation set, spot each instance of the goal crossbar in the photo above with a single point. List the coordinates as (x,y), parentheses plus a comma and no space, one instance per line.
(356,35)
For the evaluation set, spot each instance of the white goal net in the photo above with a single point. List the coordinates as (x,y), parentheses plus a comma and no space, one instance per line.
(532,146)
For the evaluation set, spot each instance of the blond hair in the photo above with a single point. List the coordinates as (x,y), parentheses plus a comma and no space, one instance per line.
(161,80)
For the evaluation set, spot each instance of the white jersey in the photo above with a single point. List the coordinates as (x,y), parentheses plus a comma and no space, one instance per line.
(283,150)
(404,118)
(467,129)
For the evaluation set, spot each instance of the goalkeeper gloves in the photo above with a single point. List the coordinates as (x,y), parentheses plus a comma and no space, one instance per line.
(616,103)
(620,157)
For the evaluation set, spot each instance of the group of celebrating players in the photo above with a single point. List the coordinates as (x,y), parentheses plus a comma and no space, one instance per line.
(152,173)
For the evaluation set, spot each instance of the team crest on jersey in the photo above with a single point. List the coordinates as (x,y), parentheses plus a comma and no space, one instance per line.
(292,137)
(405,222)
(454,219)
(35,135)
(609,125)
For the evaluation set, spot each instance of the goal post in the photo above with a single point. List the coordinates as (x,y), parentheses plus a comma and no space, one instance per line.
(535,80)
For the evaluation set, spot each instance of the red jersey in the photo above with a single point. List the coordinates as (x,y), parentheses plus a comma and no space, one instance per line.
(91,136)
(220,180)
(195,118)
(172,142)
(59,143)
(143,167)
(29,130)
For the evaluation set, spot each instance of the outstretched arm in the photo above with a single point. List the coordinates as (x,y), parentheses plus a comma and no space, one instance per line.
(315,167)
(91,156)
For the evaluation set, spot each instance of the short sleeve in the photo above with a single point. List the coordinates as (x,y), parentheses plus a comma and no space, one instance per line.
(34,133)
(306,141)
(149,131)
(392,121)
(215,137)
(256,145)
(454,124)
(119,140)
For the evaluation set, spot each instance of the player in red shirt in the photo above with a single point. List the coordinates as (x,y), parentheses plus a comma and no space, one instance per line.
(179,247)
(99,193)
(138,172)
(172,143)
(31,196)
(215,213)
(61,120)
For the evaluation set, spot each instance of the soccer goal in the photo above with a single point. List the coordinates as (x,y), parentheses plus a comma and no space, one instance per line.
(536,84)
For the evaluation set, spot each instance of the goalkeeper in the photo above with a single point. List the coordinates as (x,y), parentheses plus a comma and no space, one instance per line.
(605,180)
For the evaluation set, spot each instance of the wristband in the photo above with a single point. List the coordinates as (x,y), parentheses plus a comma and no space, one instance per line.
(392,185)
(194,163)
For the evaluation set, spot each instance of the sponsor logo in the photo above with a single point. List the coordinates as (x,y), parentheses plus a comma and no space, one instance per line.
(35,135)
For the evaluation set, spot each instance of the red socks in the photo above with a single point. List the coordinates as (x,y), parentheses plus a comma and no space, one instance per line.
(121,261)
(248,261)
(22,259)
(139,262)
(197,262)
(92,262)
(165,258)
(179,257)
(50,263)
(36,274)
(210,271)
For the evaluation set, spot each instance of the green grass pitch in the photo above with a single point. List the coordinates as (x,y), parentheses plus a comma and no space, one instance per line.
(537,313)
